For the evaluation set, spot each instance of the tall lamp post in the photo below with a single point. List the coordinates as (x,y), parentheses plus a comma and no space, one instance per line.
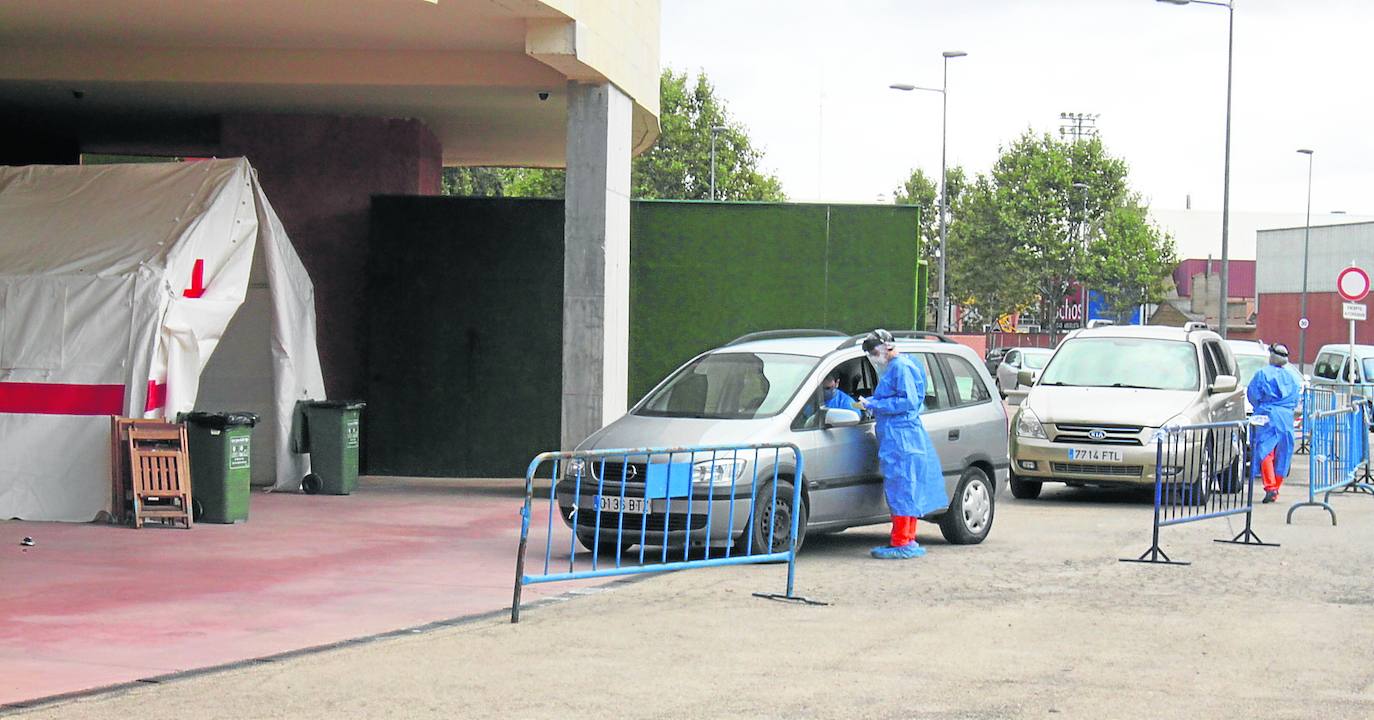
(1082,188)
(942,321)
(715,130)
(1306,237)
(1226,181)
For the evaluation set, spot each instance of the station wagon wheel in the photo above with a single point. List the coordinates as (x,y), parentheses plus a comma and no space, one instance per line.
(971,510)
(762,515)
(1025,489)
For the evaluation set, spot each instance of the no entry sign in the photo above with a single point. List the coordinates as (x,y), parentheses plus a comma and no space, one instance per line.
(1352,284)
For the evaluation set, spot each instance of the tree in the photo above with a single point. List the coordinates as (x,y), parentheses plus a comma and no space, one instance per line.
(1129,260)
(920,190)
(985,270)
(677,167)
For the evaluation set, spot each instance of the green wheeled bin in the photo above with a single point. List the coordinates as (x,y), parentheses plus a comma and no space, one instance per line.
(332,437)
(221,448)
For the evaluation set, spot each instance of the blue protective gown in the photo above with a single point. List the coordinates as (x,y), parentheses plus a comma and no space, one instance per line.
(841,401)
(912,477)
(1274,392)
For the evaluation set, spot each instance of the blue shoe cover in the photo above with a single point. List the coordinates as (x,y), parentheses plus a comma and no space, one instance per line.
(905,552)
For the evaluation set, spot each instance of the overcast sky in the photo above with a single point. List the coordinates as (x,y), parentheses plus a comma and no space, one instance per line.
(809,79)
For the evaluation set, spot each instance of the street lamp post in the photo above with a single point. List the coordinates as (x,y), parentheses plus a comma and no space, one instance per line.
(1082,187)
(942,321)
(1306,237)
(1226,178)
(715,130)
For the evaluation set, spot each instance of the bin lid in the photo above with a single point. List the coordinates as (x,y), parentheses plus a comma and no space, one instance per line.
(336,404)
(220,420)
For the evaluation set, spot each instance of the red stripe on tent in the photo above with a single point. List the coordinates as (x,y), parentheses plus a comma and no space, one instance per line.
(60,399)
(157,396)
(197,288)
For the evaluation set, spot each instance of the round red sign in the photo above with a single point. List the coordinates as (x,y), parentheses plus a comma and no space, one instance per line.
(1353,284)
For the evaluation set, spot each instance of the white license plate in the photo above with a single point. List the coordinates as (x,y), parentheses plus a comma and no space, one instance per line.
(617,504)
(1094,455)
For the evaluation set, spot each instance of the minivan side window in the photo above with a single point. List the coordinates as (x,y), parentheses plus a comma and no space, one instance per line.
(967,384)
(1328,366)
(937,396)
(1209,356)
(1012,358)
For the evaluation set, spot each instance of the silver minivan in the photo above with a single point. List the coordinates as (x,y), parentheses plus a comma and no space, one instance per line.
(767,387)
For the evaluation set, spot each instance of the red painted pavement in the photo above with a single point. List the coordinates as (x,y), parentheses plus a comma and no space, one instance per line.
(94,605)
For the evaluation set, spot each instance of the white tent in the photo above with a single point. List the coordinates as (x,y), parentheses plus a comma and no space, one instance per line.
(117,284)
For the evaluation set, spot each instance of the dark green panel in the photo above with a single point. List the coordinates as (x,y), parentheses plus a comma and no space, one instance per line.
(704,273)
(465,355)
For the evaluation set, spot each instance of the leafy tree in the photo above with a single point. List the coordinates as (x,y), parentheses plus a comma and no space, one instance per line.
(985,272)
(1129,261)
(920,190)
(677,167)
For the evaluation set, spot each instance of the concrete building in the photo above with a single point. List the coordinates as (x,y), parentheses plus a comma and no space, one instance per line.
(1278,279)
(337,102)
(1197,233)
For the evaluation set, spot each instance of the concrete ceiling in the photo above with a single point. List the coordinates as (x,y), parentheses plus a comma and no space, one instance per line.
(461,66)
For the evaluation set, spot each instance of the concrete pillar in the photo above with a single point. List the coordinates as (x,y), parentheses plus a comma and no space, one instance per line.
(596,264)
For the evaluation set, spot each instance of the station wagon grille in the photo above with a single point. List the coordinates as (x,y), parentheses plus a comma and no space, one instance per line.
(1087,469)
(1098,434)
(633,474)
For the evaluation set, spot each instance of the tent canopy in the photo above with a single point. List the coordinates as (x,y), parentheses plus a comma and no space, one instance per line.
(142,290)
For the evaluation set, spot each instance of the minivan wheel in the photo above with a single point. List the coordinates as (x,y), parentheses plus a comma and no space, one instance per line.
(971,511)
(1025,489)
(781,513)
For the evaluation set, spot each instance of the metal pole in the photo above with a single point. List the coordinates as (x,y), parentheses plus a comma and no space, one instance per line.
(713,164)
(1306,238)
(1226,187)
(942,321)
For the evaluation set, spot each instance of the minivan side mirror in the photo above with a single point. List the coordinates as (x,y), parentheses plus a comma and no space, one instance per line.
(1026,377)
(1224,384)
(840,417)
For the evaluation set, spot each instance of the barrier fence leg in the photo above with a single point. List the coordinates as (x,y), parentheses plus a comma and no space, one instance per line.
(1248,536)
(520,561)
(1155,554)
(792,544)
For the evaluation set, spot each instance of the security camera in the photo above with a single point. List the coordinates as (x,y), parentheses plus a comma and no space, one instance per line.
(544,95)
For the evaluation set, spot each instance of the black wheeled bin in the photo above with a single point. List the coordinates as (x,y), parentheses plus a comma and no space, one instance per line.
(221,448)
(332,437)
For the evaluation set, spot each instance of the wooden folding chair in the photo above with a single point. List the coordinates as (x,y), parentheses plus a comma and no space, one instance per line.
(160,473)
(121,480)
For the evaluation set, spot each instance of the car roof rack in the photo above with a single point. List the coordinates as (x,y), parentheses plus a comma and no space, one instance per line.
(784,335)
(900,335)
(1195,325)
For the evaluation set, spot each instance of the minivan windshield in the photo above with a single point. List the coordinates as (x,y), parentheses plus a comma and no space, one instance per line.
(1145,363)
(730,386)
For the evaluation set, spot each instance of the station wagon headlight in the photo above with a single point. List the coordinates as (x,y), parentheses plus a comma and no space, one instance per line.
(718,472)
(575,467)
(1028,425)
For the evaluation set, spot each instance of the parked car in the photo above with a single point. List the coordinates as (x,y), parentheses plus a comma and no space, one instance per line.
(1019,359)
(765,388)
(1091,417)
(993,359)
(1335,369)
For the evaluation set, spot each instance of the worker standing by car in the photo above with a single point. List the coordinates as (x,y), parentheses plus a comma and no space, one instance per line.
(1274,393)
(912,478)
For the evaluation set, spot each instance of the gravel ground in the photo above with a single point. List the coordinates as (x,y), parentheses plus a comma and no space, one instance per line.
(1041,620)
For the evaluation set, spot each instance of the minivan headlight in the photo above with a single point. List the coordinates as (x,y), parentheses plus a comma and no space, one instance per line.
(723,471)
(1029,426)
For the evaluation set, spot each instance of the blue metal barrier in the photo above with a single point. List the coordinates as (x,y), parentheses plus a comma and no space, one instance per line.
(1315,399)
(696,506)
(1338,454)
(1202,472)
